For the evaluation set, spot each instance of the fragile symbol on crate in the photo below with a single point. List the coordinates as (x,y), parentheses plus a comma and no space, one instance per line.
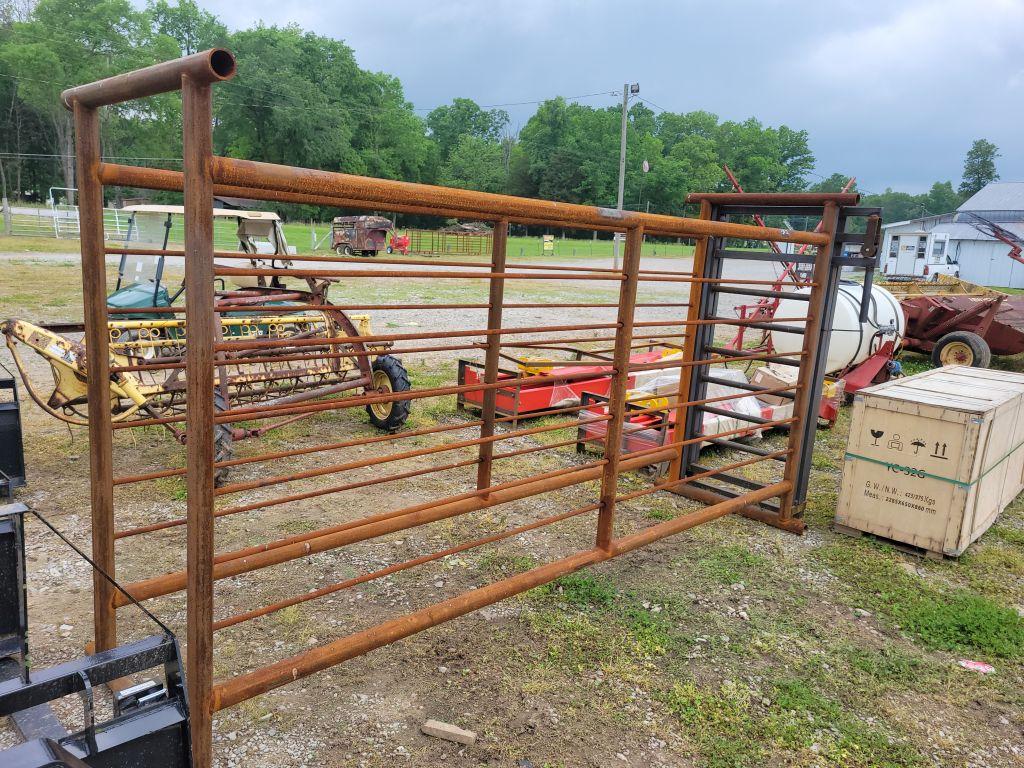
(877,434)
(939,453)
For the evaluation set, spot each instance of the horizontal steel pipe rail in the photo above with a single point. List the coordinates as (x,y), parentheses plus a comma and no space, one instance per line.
(397,521)
(205,68)
(286,184)
(476,543)
(247,686)
(383,192)
(302,545)
(811,199)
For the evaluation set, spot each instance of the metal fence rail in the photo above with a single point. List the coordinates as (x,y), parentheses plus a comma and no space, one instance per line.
(480,459)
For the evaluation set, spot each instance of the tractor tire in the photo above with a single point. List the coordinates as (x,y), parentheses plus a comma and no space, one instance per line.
(343,250)
(390,249)
(223,442)
(962,348)
(389,375)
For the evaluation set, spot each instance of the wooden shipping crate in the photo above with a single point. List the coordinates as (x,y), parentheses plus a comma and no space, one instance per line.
(934,458)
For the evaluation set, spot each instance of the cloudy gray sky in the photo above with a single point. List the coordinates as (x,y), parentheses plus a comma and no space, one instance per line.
(893,92)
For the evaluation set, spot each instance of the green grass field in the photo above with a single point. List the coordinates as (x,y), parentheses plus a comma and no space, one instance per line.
(303,235)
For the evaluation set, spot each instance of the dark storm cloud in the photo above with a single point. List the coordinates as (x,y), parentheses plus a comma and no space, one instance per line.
(893,92)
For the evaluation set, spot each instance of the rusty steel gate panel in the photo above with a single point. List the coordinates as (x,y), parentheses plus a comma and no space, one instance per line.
(480,459)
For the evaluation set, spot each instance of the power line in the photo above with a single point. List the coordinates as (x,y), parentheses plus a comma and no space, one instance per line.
(648,101)
(105,157)
(526,103)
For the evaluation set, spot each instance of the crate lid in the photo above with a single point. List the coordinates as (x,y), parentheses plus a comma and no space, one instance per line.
(974,390)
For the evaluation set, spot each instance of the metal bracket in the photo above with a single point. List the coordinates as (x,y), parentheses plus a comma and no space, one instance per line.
(150,726)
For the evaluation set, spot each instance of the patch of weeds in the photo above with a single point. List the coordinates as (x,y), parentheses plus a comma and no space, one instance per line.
(992,567)
(822,460)
(719,723)
(566,432)
(660,509)
(255,710)
(651,632)
(732,727)
(1008,533)
(584,590)
(289,617)
(730,564)
(886,665)
(174,487)
(497,562)
(575,640)
(800,712)
(297,526)
(915,364)
(964,620)
(950,619)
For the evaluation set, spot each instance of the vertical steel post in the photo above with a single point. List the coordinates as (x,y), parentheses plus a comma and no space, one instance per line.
(496,300)
(197,122)
(619,385)
(622,168)
(94,297)
(805,404)
(700,253)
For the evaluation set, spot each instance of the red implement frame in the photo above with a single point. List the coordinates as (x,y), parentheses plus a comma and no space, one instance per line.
(491,480)
(765,308)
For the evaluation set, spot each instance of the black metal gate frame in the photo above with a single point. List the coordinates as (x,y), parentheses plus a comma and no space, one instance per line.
(827,272)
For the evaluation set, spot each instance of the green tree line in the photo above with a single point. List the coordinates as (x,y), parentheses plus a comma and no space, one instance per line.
(300,98)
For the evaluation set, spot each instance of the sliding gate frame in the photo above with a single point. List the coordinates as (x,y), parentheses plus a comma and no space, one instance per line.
(203,176)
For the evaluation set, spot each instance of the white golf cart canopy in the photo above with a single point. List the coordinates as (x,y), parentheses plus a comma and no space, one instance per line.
(259,233)
(233,213)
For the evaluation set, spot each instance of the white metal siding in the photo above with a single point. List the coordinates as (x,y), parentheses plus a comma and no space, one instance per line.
(986,262)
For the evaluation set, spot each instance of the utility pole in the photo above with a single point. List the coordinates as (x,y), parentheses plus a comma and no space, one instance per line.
(627,89)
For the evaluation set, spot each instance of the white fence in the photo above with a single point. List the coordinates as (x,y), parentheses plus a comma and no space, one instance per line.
(58,221)
(61,221)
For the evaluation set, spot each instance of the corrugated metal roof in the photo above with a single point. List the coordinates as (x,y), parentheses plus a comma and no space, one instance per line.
(997,196)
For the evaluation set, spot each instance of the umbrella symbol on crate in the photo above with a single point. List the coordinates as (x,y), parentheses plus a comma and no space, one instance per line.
(877,434)
(918,445)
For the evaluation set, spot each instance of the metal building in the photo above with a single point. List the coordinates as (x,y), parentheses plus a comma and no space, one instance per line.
(957,243)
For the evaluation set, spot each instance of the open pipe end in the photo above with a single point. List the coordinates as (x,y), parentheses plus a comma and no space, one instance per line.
(222,63)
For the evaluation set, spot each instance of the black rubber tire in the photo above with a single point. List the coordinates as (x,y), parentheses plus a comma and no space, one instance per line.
(223,442)
(367,254)
(343,250)
(981,354)
(399,380)
(390,249)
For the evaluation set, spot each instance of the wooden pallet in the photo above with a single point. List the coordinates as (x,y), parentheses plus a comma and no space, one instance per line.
(902,546)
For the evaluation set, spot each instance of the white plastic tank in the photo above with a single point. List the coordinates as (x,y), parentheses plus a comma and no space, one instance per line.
(851,342)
